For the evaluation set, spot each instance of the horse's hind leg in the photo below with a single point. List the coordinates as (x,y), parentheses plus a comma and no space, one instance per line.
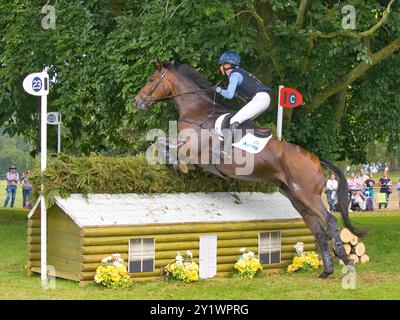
(313,221)
(315,202)
(331,223)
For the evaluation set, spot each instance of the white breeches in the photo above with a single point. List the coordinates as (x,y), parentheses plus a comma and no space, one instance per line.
(253,109)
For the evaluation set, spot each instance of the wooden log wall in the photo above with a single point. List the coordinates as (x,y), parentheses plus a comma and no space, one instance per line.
(98,243)
(78,261)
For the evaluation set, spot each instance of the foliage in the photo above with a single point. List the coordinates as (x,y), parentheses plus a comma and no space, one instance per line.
(304,261)
(113,273)
(111,175)
(247,265)
(185,270)
(14,151)
(102,51)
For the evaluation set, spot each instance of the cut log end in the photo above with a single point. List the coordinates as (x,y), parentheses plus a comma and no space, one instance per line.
(359,249)
(353,240)
(347,248)
(364,258)
(346,235)
(355,258)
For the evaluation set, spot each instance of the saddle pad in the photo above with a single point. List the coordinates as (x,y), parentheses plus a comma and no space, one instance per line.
(251,143)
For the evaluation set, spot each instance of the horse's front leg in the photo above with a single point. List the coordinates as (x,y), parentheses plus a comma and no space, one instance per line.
(167,152)
(192,149)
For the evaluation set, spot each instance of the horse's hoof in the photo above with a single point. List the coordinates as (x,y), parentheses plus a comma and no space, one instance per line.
(324,275)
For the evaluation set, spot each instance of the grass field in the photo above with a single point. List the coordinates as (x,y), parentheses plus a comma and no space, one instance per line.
(380,279)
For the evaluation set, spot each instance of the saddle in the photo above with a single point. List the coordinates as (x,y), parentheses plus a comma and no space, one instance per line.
(247,125)
(209,124)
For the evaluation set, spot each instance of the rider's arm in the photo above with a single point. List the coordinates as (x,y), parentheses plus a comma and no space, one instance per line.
(235,80)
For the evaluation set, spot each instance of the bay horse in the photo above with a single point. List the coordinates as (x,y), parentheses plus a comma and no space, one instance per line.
(296,172)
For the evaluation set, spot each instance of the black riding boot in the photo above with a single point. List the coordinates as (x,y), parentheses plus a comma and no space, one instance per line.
(233,128)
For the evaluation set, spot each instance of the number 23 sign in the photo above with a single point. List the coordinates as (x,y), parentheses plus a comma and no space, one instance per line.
(37,84)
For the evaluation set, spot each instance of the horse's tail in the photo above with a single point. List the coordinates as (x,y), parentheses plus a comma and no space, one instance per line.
(343,197)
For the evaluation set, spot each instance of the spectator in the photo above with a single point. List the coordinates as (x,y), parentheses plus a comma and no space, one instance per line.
(398,190)
(362,177)
(358,202)
(369,192)
(386,187)
(26,190)
(353,184)
(12,182)
(331,190)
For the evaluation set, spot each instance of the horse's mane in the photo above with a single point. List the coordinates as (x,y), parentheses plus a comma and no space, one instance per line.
(197,78)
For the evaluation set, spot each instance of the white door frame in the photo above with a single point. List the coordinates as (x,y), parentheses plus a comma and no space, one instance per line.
(208,256)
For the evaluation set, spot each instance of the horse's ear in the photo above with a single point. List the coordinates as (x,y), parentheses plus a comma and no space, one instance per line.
(159,64)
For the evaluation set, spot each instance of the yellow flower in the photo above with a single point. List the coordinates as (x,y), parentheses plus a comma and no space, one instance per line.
(121,269)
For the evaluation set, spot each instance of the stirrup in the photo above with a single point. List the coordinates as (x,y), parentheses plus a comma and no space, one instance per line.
(221,153)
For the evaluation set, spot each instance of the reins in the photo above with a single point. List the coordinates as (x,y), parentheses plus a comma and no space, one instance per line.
(182,94)
(152,100)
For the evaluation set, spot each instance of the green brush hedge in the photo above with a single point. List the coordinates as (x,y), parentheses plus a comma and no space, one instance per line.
(113,175)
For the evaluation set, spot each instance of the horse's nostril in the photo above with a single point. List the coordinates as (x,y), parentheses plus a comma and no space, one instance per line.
(138,101)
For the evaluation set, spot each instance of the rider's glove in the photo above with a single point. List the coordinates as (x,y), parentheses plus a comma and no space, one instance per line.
(218,89)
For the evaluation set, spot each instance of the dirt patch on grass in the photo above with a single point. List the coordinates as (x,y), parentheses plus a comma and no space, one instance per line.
(375,277)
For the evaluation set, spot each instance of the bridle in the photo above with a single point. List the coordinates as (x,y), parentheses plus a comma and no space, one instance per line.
(147,96)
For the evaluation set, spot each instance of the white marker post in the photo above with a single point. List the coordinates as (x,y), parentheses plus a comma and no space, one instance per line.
(54,118)
(288,98)
(59,134)
(37,84)
(280,115)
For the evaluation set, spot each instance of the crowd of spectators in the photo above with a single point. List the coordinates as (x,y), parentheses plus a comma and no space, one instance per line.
(362,191)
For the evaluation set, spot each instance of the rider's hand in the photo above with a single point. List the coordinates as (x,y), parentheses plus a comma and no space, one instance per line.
(218,89)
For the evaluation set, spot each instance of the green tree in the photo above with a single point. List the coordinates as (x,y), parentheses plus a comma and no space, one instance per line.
(102,52)
(14,151)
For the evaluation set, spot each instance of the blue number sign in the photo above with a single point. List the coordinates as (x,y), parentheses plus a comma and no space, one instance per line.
(36,84)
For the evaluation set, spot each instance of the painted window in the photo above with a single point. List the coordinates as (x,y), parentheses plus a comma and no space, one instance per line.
(141,255)
(269,247)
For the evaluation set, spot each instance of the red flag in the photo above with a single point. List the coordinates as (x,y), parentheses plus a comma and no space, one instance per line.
(290,98)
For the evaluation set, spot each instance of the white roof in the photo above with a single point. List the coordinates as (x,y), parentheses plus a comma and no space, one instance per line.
(101,210)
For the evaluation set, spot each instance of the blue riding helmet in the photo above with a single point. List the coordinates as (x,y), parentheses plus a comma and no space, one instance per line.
(230,57)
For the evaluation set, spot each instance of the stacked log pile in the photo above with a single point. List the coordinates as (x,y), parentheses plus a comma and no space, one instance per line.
(355,249)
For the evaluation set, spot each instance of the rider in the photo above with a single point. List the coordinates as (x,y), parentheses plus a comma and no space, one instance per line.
(247,86)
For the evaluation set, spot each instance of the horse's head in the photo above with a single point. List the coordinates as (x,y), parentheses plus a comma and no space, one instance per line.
(156,88)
